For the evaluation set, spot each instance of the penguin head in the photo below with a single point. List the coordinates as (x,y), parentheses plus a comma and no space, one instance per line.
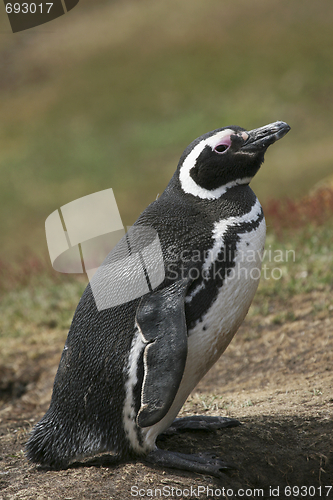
(225,158)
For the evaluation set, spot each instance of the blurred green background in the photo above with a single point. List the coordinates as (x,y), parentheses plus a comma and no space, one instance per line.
(110,94)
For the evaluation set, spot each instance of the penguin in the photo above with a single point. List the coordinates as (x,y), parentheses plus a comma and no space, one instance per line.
(127,369)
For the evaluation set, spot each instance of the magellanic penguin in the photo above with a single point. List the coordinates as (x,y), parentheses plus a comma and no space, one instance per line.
(126,370)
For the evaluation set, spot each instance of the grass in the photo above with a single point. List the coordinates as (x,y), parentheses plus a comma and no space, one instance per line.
(34,322)
(299,263)
(48,305)
(298,246)
(114,95)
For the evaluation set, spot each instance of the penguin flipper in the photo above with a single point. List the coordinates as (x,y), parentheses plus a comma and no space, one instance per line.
(161,320)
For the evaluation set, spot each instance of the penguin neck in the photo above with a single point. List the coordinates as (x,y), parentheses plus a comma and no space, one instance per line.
(235,200)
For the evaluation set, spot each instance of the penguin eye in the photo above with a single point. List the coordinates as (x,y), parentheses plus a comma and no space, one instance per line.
(221,148)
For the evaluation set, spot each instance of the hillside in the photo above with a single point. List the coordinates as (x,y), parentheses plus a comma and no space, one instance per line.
(110,95)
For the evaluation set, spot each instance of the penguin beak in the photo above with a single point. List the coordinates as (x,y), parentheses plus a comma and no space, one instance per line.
(260,138)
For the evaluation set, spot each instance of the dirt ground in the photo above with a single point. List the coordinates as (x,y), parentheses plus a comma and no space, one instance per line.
(276,378)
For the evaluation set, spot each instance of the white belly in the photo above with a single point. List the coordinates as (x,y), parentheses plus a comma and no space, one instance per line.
(221,322)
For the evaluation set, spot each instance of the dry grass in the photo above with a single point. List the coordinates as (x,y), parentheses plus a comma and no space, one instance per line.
(276,378)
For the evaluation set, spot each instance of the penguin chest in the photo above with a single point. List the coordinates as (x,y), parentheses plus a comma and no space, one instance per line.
(209,338)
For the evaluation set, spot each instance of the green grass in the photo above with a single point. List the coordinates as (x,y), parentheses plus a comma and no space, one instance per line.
(114,98)
(302,259)
(41,304)
(35,319)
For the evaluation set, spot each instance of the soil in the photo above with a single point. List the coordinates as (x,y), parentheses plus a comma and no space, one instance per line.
(276,378)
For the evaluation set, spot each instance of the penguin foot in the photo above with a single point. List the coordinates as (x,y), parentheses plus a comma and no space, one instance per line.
(201,463)
(199,423)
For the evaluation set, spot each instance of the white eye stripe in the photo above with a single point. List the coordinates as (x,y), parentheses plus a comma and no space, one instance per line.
(215,139)
(188,184)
